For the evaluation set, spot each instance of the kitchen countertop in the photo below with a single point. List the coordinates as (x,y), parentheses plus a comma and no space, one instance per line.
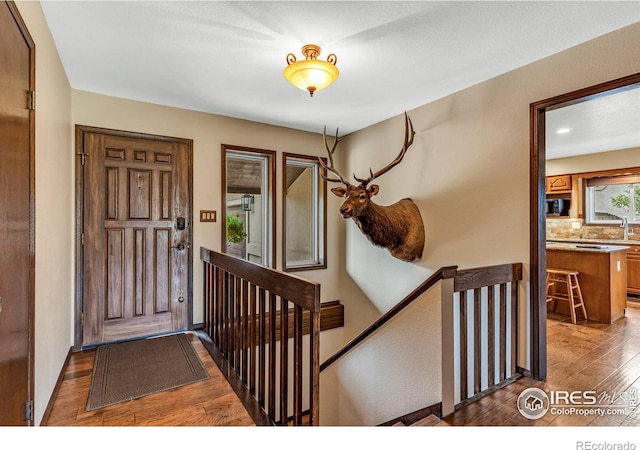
(595,241)
(584,247)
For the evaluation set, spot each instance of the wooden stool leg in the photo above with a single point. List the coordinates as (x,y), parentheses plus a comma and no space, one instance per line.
(553,282)
(579,291)
(572,305)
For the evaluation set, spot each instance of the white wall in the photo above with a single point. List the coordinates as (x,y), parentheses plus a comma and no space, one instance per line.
(54,210)
(619,159)
(388,375)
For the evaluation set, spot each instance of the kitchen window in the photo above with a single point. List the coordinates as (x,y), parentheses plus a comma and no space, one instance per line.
(610,199)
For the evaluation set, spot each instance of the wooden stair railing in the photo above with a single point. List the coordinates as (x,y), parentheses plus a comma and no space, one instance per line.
(442,273)
(247,308)
(481,291)
(491,294)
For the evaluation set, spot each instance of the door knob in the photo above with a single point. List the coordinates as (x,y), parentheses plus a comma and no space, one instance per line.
(179,247)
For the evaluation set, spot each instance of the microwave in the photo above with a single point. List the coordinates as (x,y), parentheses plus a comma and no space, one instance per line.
(558,207)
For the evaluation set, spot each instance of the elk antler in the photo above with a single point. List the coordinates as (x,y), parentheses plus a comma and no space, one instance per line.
(330,167)
(408,140)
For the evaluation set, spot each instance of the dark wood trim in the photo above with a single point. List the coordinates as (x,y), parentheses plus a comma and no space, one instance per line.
(56,388)
(80,131)
(14,11)
(487,276)
(440,274)
(271,156)
(411,418)
(322,189)
(331,316)
(537,150)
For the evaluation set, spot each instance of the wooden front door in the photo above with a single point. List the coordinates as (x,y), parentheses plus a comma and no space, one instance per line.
(17,249)
(135,235)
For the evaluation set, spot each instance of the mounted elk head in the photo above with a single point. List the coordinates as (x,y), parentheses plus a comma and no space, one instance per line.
(397,227)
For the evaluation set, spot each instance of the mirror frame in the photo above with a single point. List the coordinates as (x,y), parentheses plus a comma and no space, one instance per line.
(271,183)
(322,188)
(537,221)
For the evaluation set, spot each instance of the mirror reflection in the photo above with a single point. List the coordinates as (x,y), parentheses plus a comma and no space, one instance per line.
(304,208)
(248,204)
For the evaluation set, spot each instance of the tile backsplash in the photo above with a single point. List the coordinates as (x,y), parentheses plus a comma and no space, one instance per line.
(564,229)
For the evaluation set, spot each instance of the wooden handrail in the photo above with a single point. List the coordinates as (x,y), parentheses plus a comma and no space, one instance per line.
(302,292)
(440,274)
(463,280)
(487,276)
(248,310)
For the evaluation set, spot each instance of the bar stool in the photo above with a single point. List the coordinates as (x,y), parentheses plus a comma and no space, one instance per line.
(570,279)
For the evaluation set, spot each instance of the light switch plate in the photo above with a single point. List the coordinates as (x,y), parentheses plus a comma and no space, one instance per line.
(207,216)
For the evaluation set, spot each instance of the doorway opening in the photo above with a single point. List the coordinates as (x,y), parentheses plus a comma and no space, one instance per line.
(538,197)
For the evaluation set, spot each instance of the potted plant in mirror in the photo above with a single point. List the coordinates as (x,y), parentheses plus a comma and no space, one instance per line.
(235,229)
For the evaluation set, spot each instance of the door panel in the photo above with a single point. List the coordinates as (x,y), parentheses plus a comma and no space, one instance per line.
(16,225)
(136,262)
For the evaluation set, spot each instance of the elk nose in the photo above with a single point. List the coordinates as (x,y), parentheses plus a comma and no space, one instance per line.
(345,210)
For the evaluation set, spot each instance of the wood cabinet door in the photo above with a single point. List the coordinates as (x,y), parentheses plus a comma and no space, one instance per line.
(137,235)
(633,270)
(17,249)
(559,183)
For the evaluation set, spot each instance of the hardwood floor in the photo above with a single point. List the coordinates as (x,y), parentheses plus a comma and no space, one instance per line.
(586,356)
(210,402)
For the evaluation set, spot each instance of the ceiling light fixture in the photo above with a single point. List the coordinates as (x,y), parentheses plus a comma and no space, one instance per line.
(311,74)
(563,130)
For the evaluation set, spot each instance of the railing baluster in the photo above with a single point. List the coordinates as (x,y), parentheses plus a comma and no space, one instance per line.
(297,365)
(477,340)
(207,298)
(252,338)
(218,307)
(491,337)
(284,360)
(237,318)
(464,393)
(224,341)
(272,354)
(503,331)
(514,327)
(314,376)
(262,370)
(244,334)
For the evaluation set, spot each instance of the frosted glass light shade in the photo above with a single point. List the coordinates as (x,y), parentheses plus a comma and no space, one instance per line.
(311,74)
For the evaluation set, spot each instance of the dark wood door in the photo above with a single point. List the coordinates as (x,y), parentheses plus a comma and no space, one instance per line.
(16,223)
(137,234)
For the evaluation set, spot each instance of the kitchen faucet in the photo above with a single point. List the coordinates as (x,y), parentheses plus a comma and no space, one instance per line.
(625,225)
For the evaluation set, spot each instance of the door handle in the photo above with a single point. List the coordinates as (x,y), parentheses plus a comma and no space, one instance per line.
(179,247)
(0,304)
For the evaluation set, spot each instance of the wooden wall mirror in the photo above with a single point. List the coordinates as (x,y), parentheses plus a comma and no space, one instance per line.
(248,204)
(304,201)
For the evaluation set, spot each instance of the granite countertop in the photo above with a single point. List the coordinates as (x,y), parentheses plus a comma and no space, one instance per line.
(595,241)
(584,247)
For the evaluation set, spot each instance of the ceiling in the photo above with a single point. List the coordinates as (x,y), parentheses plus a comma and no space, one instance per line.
(228,58)
(605,123)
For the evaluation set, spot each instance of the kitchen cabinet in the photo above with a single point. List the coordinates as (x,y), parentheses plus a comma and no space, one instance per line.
(558,184)
(633,269)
